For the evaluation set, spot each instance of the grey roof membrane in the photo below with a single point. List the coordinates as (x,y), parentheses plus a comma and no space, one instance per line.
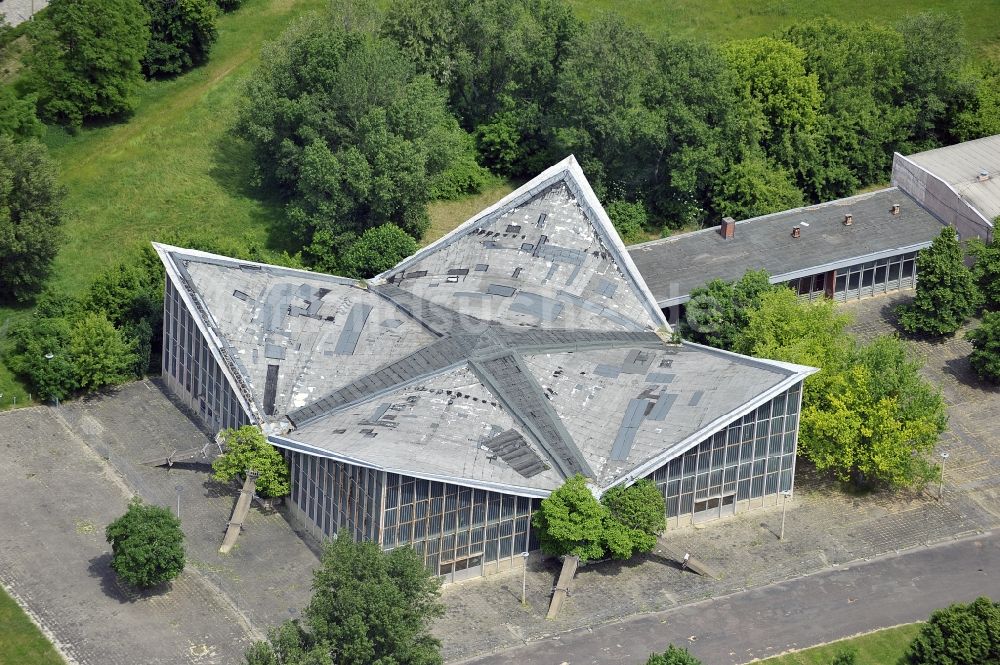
(510,367)
(674,266)
(960,165)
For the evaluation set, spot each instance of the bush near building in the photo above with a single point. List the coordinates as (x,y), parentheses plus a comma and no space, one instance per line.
(246,448)
(626,521)
(946,295)
(147,545)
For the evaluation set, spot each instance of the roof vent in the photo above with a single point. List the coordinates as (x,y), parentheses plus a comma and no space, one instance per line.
(796,231)
(984,175)
(895,208)
(728,228)
(848,219)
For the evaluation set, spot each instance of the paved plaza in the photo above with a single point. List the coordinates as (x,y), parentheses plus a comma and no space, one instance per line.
(68,471)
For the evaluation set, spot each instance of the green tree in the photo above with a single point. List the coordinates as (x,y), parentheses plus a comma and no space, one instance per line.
(38,352)
(101,354)
(986,270)
(350,152)
(946,292)
(147,545)
(377,250)
(31,214)
(629,219)
(17,115)
(846,656)
(718,312)
(288,644)
(981,117)
(636,515)
(673,656)
(181,35)
(772,80)
(755,187)
(959,635)
(372,606)
(874,421)
(985,356)
(572,521)
(246,448)
(85,61)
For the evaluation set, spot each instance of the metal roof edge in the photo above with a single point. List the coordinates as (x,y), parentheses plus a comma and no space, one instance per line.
(763,363)
(308,449)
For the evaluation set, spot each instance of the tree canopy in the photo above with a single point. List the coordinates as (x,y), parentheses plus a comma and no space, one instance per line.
(181,35)
(985,356)
(368,606)
(246,448)
(961,634)
(31,214)
(720,310)
(636,515)
(351,152)
(86,59)
(147,545)
(946,293)
(673,656)
(377,250)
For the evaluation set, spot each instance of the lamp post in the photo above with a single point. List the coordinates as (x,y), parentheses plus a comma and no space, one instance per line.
(944,458)
(524,579)
(48,360)
(179,488)
(784,501)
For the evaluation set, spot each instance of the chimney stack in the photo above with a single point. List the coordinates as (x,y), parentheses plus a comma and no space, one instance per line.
(848,219)
(728,228)
(984,175)
(796,231)
(895,208)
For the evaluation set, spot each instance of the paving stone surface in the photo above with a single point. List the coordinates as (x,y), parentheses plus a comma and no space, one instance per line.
(66,473)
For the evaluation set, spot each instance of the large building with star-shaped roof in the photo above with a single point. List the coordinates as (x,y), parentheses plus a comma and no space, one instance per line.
(436,404)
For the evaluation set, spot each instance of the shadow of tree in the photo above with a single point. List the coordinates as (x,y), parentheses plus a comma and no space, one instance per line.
(100,569)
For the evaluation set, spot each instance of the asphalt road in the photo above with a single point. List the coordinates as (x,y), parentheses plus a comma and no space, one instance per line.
(811,610)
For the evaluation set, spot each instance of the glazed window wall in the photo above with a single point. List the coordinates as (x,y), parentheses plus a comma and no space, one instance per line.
(191,369)
(337,497)
(752,458)
(809,288)
(863,280)
(457,530)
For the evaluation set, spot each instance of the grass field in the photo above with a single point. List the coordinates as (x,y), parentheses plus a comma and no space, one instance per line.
(21,643)
(721,20)
(883,647)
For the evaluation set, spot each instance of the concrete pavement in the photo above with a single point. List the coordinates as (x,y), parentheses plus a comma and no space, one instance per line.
(820,608)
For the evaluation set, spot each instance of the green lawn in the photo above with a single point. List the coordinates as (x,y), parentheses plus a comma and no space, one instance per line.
(171,167)
(883,647)
(21,643)
(721,20)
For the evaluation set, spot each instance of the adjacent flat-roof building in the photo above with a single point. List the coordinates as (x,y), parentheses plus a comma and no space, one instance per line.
(434,405)
(852,248)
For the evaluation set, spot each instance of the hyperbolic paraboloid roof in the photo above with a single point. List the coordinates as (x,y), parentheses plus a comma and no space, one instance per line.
(518,350)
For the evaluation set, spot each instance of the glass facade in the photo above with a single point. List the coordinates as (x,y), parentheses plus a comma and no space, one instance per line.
(335,496)
(736,468)
(864,280)
(809,288)
(191,370)
(460,531)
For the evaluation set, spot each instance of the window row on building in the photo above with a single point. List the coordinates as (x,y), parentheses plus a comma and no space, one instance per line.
(862,280)
(190,368)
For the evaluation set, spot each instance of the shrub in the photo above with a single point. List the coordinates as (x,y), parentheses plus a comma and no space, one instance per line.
(673,656)
(147,545)
(571,521)
(629,219)
(959,635)
(985,356)
(377,250)
(246,448)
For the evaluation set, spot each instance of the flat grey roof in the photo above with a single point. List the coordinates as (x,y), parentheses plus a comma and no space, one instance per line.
(674,266)
(959,166)
(520,349)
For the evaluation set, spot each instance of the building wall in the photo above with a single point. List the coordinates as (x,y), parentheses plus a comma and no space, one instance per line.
(861,280)
(335,497)
(939,198)
(745,465)
(191,371)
